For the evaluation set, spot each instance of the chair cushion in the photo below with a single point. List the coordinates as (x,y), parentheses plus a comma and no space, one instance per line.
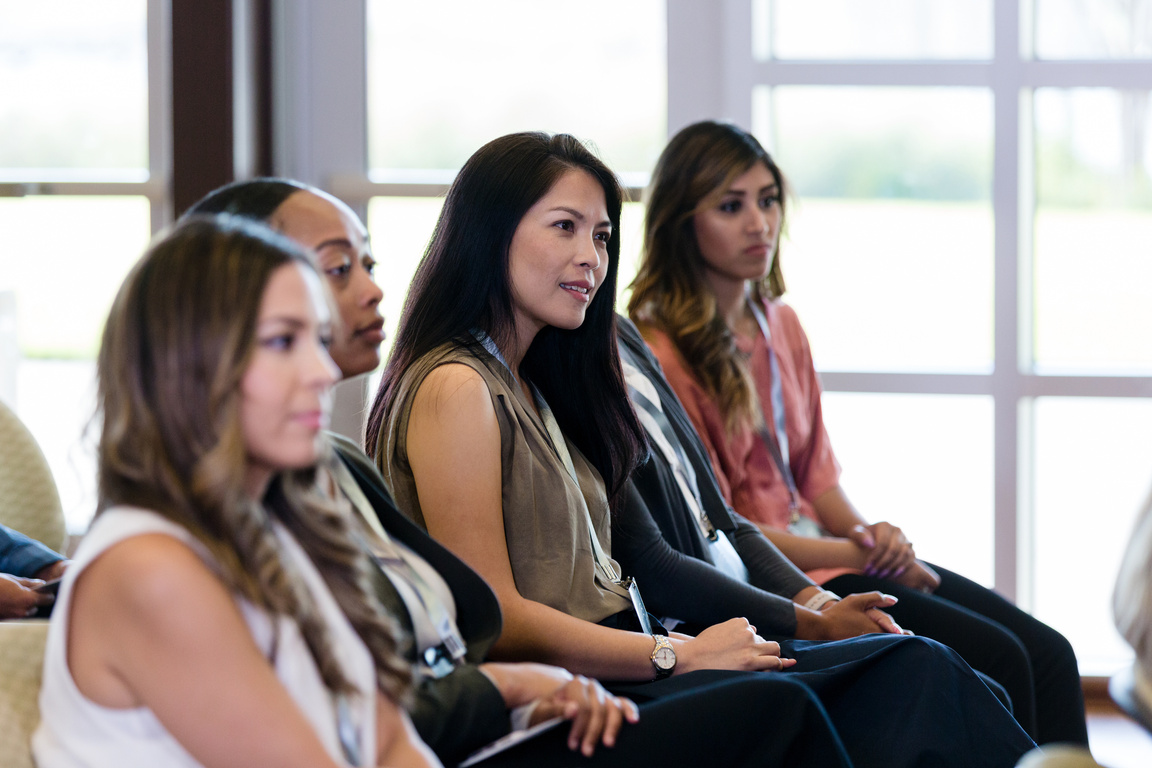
(21,667)
(29,502)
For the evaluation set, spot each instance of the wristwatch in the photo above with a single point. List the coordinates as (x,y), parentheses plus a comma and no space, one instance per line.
(663,657)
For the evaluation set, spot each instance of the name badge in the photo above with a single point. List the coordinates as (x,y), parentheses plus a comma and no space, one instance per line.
(807,527)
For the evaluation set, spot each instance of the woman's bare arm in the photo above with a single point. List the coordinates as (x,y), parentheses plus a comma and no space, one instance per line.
(809,554)
(453,444)
(151,626)
(396,738)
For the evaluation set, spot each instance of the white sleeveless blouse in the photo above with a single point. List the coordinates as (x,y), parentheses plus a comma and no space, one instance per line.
(75,732)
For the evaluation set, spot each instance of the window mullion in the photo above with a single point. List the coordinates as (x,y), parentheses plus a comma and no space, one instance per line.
(159,112)
(1007,385)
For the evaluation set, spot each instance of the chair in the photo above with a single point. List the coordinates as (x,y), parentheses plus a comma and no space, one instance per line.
(29,502)
(21,666)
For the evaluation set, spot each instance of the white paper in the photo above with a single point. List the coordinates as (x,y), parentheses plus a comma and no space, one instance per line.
(509,741)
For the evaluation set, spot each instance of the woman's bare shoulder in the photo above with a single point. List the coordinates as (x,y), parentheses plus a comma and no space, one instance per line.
(147,572)
(450,387)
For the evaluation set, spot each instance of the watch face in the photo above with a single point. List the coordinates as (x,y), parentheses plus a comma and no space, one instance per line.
(664,658)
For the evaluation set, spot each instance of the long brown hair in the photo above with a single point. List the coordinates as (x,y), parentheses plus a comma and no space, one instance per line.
(178,340)
(670,292)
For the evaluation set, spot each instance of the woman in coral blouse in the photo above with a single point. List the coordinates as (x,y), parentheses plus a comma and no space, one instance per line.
(707,298)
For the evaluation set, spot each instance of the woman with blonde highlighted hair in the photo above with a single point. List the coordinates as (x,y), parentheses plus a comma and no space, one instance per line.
(707,299)
(217,611)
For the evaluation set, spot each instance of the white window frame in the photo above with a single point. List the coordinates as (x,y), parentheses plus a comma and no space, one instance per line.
(712,75)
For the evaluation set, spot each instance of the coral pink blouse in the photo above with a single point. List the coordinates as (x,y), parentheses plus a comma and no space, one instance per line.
(748,476)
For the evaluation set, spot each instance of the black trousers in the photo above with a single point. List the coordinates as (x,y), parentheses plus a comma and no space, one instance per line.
(892,701)
(730,719)
(1033,662)
(876,700)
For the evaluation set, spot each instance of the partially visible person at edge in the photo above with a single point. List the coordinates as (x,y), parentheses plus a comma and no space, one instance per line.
(502,426)
(1132,611)
(217,611)
(707,299)
(26,565)
(459,704)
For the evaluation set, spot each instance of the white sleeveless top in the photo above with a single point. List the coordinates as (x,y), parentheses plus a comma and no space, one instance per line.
(74,731)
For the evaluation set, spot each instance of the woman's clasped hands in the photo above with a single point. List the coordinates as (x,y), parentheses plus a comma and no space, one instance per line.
(890,555)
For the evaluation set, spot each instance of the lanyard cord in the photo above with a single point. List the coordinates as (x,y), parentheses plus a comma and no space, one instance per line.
(439,659)
(656,424)
(604,564)
(777,443)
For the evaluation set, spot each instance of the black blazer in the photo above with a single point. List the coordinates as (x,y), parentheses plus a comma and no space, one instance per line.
(462,711)
(656,540)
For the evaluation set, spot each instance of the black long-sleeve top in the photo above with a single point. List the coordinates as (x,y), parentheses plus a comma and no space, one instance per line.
(656,540)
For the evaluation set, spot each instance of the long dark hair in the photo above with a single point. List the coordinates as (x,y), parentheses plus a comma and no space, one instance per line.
(463,283)
(670,291)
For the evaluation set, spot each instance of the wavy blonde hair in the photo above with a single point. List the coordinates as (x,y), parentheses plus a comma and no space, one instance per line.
(178,341)
(670,292)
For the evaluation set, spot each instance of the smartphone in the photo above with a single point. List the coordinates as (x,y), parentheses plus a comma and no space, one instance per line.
(49,587)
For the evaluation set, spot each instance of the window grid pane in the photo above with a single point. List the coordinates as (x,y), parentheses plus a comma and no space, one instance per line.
(888,251)
(898,468)
(1092,227)
(881,29)
(1090,29)
(74,85)
(67,258)
(567,72)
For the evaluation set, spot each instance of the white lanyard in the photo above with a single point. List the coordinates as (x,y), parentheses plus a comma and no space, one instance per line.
(655,423)
(440,659)
(648,409)
(556,437)
(777,443)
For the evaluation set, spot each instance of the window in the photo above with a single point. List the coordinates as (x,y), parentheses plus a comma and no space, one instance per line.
(1092,29)
(81,157)
(494,68)
(882,29)
(487,69)
(1093,197)
(893,221)
(967,254)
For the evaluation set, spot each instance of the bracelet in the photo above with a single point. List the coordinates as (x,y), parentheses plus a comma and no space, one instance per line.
(820,599)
